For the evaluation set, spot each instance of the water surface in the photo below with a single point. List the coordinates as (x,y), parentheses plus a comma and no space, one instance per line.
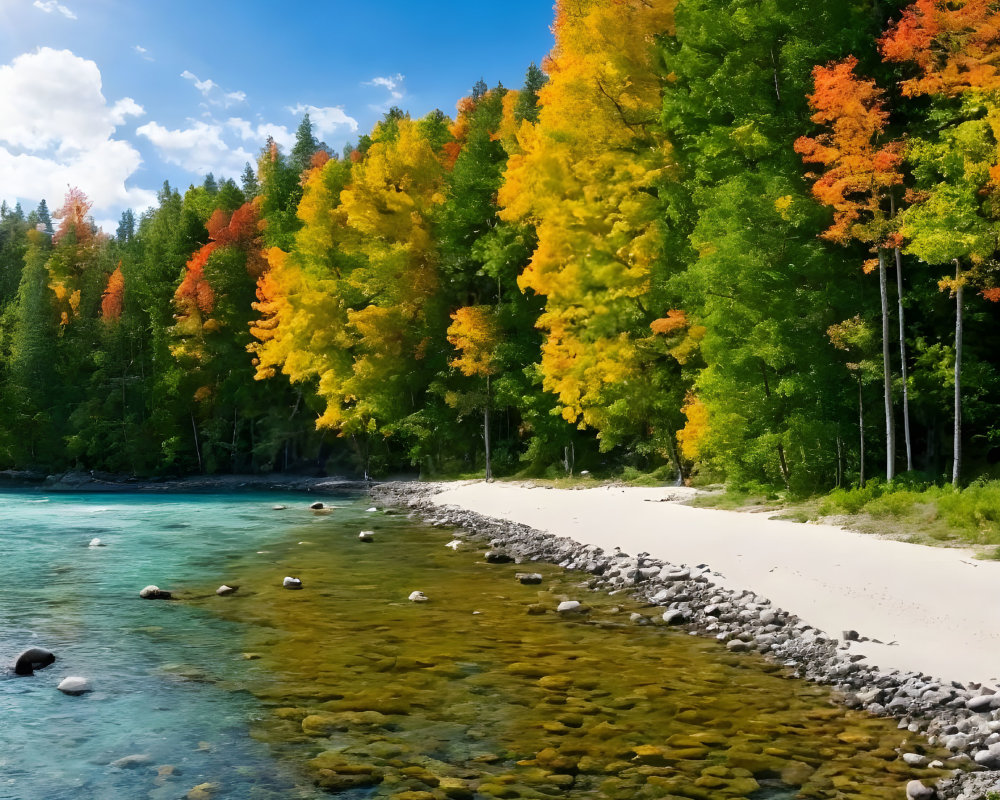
(347,687)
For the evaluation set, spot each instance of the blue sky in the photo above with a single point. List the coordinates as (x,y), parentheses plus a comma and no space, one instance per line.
(117,96)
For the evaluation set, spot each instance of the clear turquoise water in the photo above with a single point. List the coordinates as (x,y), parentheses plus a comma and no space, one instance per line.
(168,676)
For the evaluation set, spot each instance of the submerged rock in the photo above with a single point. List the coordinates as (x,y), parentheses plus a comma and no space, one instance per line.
(570,607)
(152,592)
(454,544)
(132,761)
(225,589)
(529,578)
(498,557)
(278,508)
(418,597)
(292,583)
(95,542)
(367,536)
(32,659)
(74,685)
(317,506)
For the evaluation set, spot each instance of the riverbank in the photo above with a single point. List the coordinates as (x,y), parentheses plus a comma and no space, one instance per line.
(903,630)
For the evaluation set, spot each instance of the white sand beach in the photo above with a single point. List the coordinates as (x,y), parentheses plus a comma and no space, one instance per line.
(937,610)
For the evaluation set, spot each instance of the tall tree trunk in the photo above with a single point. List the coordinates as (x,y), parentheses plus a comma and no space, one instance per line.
(956,469)
(890,428)
(197,446)
(675,460)
(486,430)
(782,461)
(861,428)
(902,360)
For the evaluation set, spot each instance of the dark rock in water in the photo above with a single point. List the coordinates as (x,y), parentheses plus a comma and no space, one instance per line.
(317,506)
(32,659)
(292,583)
(152,592)
(529,578)
(498,557)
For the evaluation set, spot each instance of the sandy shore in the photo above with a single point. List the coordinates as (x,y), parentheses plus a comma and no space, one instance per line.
(935,610)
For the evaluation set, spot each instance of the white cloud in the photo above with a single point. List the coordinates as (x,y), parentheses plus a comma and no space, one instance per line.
(58,131)
(394,85)
(214,93)
(328,122)
(257,134)
(199,148)
(142,51)
(48,6)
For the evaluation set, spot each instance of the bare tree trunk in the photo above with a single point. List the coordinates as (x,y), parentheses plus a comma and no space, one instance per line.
(197,447)
(675,460)
(486,430)
(861,428)
(782,461)
(956,469)
(902,360)
(890,428)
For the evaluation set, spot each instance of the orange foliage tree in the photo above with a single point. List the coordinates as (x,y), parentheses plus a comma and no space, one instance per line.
(861,173)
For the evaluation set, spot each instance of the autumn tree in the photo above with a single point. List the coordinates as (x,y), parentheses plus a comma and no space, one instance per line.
(860,175)
(475,334)
(951,48)
(586,176)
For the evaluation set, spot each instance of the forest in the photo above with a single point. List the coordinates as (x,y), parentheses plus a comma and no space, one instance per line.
(714,240)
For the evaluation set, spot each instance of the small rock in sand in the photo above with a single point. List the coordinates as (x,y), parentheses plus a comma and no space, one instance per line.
(152,592)
(292,583)
(74,685)
(225,589)
(418,597)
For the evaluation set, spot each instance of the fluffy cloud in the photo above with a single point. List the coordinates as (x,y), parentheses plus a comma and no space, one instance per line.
(49,6)
(328,122)
(257,134)
(212,92)
(58,130)
(394,85)
(198,148)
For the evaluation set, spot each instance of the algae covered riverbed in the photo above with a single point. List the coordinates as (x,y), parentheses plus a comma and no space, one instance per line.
(485,691)
(345,686)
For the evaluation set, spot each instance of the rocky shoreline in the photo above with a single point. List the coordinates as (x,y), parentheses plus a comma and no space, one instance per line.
(964,719)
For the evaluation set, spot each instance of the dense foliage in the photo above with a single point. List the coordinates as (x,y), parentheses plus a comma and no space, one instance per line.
(717,238)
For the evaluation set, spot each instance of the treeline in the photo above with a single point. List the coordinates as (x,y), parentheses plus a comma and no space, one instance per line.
(749,242)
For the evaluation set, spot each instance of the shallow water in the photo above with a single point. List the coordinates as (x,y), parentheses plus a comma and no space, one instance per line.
(347,685)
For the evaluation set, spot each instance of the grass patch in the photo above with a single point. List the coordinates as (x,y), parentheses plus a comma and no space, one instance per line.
(935,513)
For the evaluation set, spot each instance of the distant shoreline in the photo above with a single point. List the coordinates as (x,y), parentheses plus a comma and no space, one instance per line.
(86,482)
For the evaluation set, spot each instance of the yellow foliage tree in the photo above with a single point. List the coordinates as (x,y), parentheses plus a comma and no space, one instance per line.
(346,307)
(585,175)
